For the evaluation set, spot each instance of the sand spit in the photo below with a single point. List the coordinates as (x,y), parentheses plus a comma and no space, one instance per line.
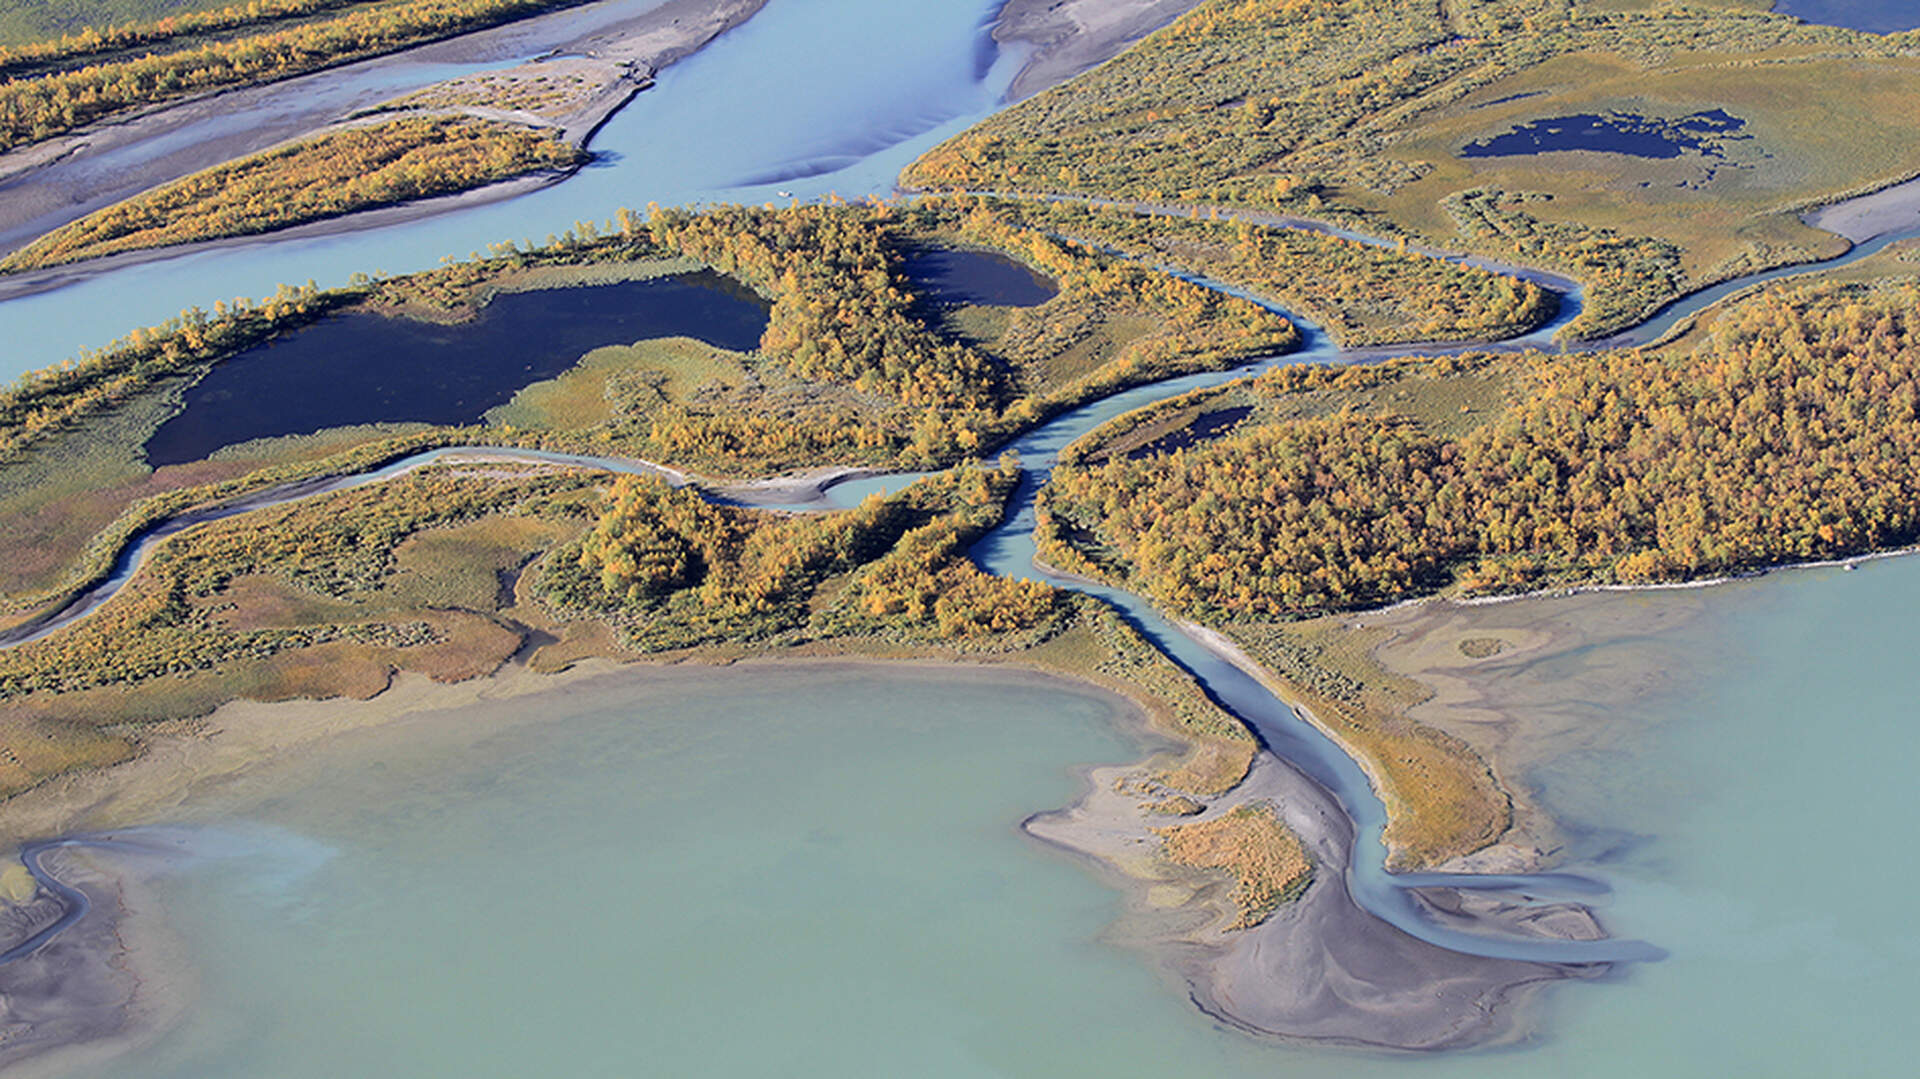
(1895,208)
(1070,36)
(61,180)
(1320,969)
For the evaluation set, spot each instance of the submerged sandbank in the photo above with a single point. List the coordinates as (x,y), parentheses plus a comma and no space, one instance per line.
(1322,969)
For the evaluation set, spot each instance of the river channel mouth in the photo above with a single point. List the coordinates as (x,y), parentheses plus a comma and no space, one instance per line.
(359,367)
(781,869)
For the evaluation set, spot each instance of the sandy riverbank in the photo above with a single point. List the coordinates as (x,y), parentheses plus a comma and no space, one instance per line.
(1070,36)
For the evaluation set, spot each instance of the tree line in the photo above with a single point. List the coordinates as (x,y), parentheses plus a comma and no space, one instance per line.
(33,108)
(339,172)
(1791,434)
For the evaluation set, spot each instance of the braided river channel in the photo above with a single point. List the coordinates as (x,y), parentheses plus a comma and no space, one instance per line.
(796,870)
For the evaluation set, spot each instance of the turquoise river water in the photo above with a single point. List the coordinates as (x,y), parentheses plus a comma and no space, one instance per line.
(784,871)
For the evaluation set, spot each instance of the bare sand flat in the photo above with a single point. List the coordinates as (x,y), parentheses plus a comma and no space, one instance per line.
(1320,968)
(1070,36)
(1890,209)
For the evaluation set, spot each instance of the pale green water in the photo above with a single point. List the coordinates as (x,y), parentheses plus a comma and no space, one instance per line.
(820,873)
(789,874)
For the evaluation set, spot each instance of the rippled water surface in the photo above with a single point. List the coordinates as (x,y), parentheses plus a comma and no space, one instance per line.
(774,105)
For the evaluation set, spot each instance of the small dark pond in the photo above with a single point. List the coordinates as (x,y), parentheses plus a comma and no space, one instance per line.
(1204,428)
(943,275)
(1615,133)
(1877,16)
(355,367)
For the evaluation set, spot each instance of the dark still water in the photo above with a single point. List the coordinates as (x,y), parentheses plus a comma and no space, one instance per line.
(1615,133)
(362,368)
(944,275)
(1878,16)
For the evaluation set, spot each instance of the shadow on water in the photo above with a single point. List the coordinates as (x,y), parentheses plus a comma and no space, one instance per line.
(947,275)
(1877,16)
(358,367)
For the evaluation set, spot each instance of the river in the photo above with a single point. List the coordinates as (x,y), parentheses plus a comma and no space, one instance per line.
(384,876)
(773,105)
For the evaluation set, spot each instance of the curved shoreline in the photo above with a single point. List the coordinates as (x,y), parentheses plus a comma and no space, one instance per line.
(633,48)
(73,899)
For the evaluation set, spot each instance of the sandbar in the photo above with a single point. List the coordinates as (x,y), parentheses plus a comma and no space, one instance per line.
(1071,36)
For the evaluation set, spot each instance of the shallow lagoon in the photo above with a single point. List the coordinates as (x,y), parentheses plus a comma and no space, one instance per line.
(680,881)
(755,871)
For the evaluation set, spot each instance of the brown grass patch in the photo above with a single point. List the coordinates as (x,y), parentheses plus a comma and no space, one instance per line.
(1267,861)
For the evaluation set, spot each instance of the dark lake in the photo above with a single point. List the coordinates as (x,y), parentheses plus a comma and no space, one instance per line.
(356,367)
(1878,16)
(944,275)
(1615,133)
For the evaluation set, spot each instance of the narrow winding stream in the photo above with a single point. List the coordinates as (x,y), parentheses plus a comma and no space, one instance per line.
(1008,551)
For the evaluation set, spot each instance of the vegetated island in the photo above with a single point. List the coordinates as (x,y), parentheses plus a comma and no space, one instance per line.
(50,182)
(343,171)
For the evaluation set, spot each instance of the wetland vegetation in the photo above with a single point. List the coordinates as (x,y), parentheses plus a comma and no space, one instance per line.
(925,334)
(1355,112)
